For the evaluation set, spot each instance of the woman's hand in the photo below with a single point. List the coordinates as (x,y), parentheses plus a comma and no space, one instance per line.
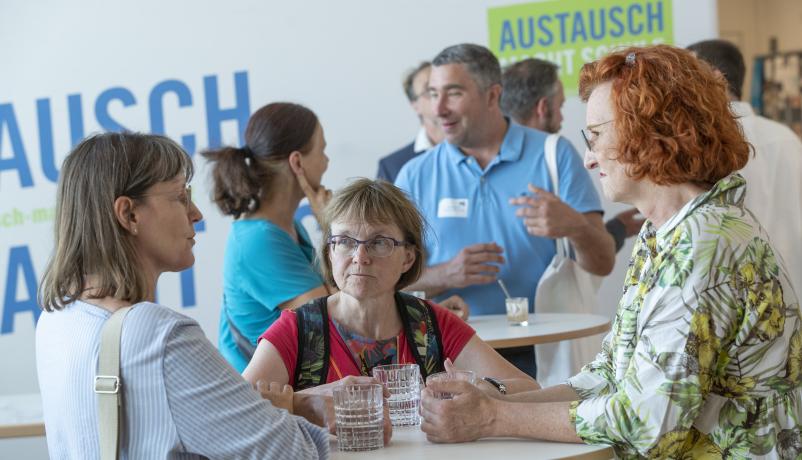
(318,198)
(281,397)
(468,416)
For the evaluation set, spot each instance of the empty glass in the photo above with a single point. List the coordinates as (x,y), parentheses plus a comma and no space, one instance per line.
(517,311)
(403,383)
(359,416)
(466,376)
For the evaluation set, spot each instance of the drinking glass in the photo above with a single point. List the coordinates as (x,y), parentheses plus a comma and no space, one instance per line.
(403,383)
(359,417)
(466,376)
(518,311)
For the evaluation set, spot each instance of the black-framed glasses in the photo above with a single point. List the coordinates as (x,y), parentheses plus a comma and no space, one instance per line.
(588,133)
(380,246)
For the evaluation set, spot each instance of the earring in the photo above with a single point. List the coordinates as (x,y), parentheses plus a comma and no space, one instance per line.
(133,230)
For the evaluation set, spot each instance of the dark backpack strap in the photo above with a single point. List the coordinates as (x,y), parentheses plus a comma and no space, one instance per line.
(423,333)
(244,346)
(312,364)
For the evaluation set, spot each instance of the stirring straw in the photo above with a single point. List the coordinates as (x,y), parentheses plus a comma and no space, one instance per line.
(504,288)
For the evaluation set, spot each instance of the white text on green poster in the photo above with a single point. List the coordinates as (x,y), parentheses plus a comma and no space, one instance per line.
(570,33)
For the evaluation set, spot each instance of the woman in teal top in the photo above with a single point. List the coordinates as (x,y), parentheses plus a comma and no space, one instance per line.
(269,262)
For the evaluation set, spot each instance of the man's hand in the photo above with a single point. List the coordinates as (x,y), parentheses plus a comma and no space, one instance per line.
(467,417)
(457,305)
(632,220)
(474,264)
(546,215)
(318,198)
(279,396)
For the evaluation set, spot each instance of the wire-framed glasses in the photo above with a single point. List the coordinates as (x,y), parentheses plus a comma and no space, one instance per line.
(380,246)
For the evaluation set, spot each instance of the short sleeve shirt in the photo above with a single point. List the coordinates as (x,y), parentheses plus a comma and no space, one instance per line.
(263,268)
(283,334)
(465,204)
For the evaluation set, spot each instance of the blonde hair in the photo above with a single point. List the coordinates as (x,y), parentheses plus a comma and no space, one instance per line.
(88,238)
(375,202)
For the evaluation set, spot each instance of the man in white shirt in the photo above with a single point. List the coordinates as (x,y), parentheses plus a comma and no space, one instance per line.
(774,174)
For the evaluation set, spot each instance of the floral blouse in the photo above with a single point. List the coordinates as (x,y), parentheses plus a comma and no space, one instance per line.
(704,359)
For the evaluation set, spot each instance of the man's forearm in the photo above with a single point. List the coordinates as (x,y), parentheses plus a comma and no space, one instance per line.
(430,282)
(594,246)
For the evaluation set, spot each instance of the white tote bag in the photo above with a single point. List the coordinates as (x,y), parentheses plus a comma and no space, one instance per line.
(565,287)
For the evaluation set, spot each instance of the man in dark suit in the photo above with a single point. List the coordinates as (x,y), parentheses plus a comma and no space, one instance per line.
(416,85)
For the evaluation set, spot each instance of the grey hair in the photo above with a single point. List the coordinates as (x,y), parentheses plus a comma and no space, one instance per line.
(409,79)
(478,61)
(88,238)
(525,83)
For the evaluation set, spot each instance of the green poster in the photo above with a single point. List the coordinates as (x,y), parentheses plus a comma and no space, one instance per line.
(570,33)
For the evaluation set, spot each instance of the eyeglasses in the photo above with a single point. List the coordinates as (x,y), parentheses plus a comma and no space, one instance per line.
(589,132)
(381,246)
(184,198)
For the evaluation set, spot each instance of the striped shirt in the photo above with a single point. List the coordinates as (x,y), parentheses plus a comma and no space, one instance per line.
(182,400)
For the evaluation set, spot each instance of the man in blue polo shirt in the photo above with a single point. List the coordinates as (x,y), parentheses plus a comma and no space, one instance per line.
(486,193)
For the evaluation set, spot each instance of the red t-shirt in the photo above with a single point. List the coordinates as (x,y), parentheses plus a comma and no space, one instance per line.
(283,334)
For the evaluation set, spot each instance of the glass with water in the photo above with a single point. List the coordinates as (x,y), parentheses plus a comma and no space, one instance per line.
(466,376)
(359,417)
(518,311)
(403,383)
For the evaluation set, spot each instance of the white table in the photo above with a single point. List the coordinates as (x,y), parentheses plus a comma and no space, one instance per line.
(21,416)
(542,328)
(411,443)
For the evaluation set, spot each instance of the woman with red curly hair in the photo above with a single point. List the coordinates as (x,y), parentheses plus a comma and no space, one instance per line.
(705,354)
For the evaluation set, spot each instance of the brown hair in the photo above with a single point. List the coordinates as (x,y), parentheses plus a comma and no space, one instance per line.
(88,238)
(375,202)
(672,115)
(240,175)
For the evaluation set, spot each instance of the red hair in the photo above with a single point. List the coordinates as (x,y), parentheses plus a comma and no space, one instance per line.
(672,115)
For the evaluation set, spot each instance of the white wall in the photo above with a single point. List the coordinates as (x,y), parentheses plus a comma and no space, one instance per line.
(343,59)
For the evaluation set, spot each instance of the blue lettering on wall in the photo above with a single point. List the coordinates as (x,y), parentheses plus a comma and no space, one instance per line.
(507,37)
(654,16)
(562,17)
(526,34)
(631,17)
(76,119)
(615,19)
(215,116)
(544,29)
(581,26)
(597,32)
(18,160)
(102,107)
(156,103)
(47,154)
(19,259)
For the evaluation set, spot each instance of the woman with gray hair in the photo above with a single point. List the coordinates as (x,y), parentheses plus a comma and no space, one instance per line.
(124,216)
(373,249)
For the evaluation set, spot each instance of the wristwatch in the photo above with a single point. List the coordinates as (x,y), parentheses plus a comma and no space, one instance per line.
(496,383)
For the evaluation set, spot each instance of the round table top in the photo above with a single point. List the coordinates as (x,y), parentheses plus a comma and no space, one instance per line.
(411,443)
(542,328)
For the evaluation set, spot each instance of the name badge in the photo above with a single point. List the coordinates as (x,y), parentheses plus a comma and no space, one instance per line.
(453,207)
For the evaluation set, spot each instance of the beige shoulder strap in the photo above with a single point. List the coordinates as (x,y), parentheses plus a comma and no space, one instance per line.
(108,386)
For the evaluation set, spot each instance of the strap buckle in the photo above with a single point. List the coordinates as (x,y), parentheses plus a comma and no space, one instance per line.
(107,384)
